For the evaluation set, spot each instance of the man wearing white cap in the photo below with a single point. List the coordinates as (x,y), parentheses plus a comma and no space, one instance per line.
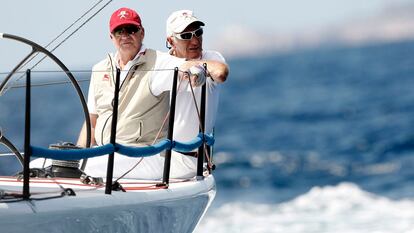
(185,40)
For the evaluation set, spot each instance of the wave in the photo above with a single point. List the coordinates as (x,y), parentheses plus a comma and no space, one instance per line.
(341,208)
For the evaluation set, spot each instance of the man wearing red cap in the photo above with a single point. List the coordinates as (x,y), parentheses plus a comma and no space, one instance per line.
(146,78)
(185,40)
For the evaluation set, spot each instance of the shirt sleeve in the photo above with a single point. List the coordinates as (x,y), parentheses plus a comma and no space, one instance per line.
(213,55)
(162,78)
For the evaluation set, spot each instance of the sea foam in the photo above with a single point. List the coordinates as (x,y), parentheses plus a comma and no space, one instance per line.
(341,209)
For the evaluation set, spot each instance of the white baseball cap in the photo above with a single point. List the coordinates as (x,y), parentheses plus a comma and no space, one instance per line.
(179,21)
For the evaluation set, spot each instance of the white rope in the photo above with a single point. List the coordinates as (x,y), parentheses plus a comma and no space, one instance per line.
(9,154)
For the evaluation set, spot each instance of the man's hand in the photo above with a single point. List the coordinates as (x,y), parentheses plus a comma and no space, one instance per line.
(197,75)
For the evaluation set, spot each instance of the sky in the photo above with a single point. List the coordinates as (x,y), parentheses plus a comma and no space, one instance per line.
(236,28)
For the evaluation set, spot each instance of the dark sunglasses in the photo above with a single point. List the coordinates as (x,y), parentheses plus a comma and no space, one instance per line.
(189,35)
(130,30)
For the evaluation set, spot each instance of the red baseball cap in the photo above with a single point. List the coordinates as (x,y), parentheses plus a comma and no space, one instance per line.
(124,16)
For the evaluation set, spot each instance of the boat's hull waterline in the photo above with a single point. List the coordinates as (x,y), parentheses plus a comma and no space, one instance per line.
(144,207)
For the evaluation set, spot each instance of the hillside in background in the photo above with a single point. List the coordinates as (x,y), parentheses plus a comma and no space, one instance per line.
(394,23)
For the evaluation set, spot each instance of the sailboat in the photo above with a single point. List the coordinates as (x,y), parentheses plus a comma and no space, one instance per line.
(68,200)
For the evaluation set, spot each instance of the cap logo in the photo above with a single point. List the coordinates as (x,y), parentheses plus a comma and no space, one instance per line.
(123,15)
(186,15)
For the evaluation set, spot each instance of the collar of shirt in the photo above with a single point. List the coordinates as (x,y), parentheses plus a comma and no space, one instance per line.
(171,52)
(128,66)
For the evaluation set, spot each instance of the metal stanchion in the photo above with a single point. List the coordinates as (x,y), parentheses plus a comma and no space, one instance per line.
(200,158)
(27,151)
(167,161)
(110,168)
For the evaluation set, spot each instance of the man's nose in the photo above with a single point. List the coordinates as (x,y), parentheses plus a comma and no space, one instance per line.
(124,34)
(195,40)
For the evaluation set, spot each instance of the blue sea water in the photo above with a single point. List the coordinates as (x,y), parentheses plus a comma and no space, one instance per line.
(311,141)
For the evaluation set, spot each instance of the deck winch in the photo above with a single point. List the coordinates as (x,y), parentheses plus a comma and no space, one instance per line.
(64,168)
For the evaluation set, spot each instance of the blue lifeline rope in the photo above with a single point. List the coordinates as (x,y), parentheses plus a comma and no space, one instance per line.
(130,151)
(74,154)
(144,151)
(193,144)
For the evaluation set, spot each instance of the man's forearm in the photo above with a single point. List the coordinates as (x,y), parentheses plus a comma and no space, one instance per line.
(216,70)
(82,135)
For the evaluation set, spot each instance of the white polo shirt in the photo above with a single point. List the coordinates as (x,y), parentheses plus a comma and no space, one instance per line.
(186,124)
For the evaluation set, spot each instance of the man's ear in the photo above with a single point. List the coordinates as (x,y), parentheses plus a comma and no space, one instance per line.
(170,41)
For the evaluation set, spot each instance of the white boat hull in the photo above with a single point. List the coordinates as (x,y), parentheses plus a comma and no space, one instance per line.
(143,208)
